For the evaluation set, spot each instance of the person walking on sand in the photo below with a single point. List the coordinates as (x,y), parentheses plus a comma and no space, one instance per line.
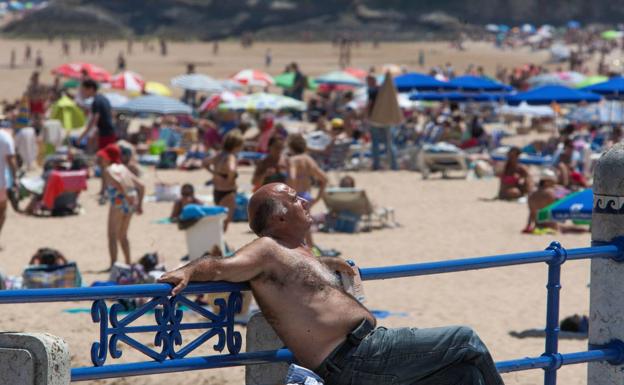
(223,169)
(125,192)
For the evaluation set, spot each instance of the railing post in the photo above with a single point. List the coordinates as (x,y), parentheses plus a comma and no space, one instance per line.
(606,320)
(552,313)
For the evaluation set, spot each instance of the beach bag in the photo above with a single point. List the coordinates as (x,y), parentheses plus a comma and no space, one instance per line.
(46,276)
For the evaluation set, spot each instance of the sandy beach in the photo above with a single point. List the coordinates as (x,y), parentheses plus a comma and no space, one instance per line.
(440,219)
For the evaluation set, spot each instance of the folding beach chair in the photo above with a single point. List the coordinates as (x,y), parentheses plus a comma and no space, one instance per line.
(355,204)
(61,191)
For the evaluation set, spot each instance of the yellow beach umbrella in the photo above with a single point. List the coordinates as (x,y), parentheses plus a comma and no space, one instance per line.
(156,88)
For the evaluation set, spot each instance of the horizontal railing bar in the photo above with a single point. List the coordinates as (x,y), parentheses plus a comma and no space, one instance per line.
(112,292)
(284,355)
(455,265)
(370,273)
(566,359)
(182,364)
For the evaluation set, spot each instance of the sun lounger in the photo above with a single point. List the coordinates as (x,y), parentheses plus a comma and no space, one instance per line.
(356,202)
(441,157)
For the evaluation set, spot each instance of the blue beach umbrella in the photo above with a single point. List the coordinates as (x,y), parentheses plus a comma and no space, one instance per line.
(478,83)
(420,82)
(455,97)
(552,94)
(156,104)
(576,206)
(611,89)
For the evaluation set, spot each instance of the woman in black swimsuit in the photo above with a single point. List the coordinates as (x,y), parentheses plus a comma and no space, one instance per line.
(223,169)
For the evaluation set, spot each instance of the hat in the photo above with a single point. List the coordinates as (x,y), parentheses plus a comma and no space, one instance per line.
(548,174)
(337,123)
(111,153)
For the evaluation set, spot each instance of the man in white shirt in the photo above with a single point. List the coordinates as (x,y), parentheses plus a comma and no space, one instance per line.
(8,167)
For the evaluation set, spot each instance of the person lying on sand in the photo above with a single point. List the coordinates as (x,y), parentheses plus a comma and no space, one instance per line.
(325,328)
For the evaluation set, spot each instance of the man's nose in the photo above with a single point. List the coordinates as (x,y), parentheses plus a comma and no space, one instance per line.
(305,203)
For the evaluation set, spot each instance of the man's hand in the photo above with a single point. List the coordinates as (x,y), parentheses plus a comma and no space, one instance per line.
(179,278)
(338,264)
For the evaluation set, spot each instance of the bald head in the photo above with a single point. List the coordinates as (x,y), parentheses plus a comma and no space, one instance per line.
(264,204)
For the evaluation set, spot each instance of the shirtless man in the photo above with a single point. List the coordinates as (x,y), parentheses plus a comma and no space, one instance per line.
(325,328)
(540,198)
(274,167)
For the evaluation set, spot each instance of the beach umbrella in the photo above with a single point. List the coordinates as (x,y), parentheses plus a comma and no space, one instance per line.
(339,78)
(78,69)
(68,112)
(478,83)
(156,104)
(262,101)
(386,110)
(547,95)
(155,88)
(213,101)
(576,206)
(116,100)
(287,79)
(566,78)
(127,80)
(612,88)
(230,85)
(71,83)
(251,77)
(573,24)
(528,28)
(197,82)
(605,112)
(456,97)
(357,72)
(419,82)
(591,80)
(611,35)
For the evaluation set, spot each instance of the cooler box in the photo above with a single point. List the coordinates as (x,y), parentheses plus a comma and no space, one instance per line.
(207,231)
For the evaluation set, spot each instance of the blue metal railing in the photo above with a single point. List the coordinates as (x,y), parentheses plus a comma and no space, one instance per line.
(169,320)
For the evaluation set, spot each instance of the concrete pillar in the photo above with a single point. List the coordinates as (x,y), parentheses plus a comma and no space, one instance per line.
(606,321)
(34,359)
(260,337)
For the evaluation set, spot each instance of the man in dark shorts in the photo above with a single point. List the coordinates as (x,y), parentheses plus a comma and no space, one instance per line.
(327,329)
(101,115)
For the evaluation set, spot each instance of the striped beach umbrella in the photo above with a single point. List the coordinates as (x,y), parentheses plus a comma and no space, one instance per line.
(127,80)
(339,78)
(78,70)
(116,100)
(264,102)
(197,82)
(251,77)
(156,104)
(213,101)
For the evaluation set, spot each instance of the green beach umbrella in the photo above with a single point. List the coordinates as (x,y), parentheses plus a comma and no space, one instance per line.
(286,80)
(72,83)
(70,115)
(591,80)
(611,34)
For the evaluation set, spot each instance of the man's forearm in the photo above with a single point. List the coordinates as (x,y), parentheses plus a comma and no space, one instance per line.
(203,269)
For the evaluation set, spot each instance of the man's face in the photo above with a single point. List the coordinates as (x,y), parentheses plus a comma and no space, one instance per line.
(87,92)
(297,209)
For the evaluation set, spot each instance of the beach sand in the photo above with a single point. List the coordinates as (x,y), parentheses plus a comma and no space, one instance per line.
(440,219)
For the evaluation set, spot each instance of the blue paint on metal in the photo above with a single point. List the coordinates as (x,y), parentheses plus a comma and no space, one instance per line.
(220,324)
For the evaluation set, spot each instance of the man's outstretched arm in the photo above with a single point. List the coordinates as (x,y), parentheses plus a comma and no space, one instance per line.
(246,264)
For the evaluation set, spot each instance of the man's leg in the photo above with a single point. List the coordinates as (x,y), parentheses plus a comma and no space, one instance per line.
(421,357)
(376,141)
(3,210)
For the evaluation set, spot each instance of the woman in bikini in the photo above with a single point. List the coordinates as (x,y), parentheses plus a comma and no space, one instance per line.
(515,180)
(223,169)
(125,192)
